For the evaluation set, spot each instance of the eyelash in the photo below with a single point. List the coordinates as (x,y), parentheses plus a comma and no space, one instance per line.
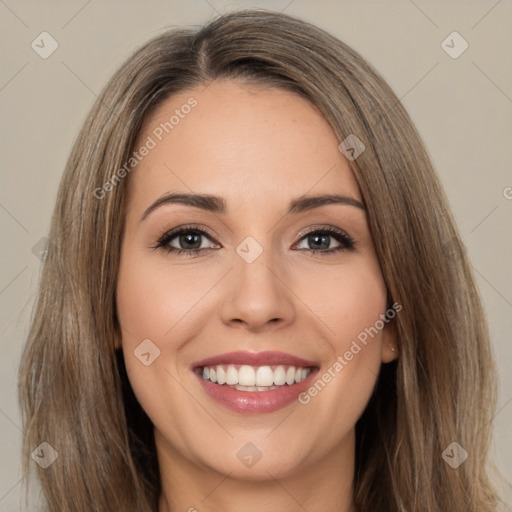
(346,242)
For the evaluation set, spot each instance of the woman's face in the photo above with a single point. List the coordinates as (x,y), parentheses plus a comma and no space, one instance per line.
(278,282)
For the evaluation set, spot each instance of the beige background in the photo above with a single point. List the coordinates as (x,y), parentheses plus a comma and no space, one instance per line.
(462,107)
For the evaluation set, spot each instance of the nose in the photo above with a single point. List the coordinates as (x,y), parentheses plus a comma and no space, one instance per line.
(258,297)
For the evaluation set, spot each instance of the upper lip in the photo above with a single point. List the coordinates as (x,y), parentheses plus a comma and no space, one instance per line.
(267,358)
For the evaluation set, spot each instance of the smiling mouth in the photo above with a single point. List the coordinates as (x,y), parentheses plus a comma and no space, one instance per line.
(254,378)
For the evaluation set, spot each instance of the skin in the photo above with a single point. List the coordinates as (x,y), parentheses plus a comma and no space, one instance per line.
(258,148)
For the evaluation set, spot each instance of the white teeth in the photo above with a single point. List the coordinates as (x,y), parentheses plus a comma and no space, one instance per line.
(264,376)
(290,375)
(254,388)
(246,388)
(221,375)
(231,375)
(246,376)
(259,378)
(279,376)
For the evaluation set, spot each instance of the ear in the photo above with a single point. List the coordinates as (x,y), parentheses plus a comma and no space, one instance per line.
(389,347)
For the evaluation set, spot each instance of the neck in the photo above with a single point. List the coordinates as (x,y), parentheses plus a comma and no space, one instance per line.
(325,485)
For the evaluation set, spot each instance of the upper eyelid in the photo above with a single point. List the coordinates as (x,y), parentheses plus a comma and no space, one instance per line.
(176,231)
(329,229)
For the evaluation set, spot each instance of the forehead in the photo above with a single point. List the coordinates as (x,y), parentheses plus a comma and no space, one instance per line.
(252,145)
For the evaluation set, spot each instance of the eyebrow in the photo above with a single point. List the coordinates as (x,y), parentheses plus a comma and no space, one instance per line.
(216,204)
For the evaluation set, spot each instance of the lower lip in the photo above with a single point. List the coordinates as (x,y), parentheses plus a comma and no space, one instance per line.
(255,401)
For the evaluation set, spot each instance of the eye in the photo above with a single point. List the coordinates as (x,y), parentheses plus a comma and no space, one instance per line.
(187,240)
(193,241)
(326,240)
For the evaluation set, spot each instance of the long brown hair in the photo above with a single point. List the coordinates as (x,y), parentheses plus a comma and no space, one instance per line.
(74,391)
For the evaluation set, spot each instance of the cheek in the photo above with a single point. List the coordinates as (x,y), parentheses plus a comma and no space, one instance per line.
(153,299)
(156,312)
(360,307)
(349,303)
(163,301)
(346,300)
